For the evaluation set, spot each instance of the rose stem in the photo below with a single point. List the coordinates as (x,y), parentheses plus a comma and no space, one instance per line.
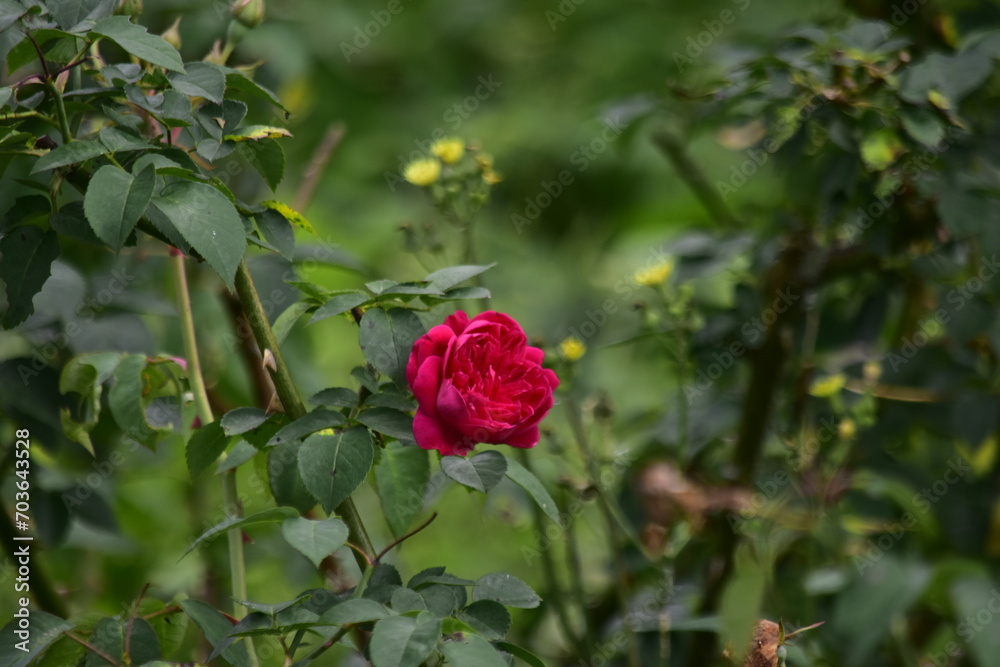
(230,497)
(289,395)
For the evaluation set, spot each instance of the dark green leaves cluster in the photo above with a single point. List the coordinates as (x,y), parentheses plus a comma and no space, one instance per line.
(143,163)
(435,614)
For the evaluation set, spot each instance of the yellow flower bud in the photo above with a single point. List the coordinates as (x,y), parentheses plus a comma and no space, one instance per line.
(572,348)
(847,429)
(491,177)
(423,172)
(450,149)
(828,386)
(656,274)
(172,35)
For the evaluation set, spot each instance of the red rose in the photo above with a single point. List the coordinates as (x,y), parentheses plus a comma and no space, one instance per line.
(477,381)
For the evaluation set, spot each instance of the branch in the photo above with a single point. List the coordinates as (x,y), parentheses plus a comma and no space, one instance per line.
(93,649)
(695,178)
(289,395)
(400,540)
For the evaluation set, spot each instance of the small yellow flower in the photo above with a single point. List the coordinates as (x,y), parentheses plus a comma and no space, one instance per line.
(828,386)
(423,172)
(450,150)
(327,431)
(656,274)
(847,429)
(572,348)
(491,177)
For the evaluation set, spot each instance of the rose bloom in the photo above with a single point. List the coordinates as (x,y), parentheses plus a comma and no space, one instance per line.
(477,381)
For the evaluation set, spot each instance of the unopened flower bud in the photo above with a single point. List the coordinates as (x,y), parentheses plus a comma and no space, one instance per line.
(249,12)
(130,8)
(172,35)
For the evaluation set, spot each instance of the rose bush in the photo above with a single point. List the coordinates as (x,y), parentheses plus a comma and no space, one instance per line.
(477,380)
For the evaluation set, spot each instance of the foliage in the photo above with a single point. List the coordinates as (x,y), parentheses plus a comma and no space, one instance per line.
(778,385)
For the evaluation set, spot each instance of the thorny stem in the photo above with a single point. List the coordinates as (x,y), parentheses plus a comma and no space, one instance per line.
(230,496)
(289,395)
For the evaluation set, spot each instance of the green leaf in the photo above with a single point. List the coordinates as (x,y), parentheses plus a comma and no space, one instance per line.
(472,651)
(489,618)
(436,575)
(444,279)
(522,654)
(208,221)
(332,466)
(28,253)
(388,421)
(200,80)
(108,636)
(315,539)
(277,231)
(267,516)
(467,293)
(204,447)
(317,420)
(115,201)
(971,594)
(45,629)
(85,373)
(338,397)
(389,399)
(506,589)
(135,40)
(402,641)
(70,13)
(401,479)
(525,479)
(216,628)
(125,400)
(283,325)
(258,133)
(340,304)
(241,420)
(923,125)
(144,645)
(387,337)
(442,601)
(481,472)
(241,452)
(10,12)
(267,157)
(276,608)
(291,215)
(238,82)
(404,600)
(384,580)
(252,621)
(352,612)
(283,477)
(117,140)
